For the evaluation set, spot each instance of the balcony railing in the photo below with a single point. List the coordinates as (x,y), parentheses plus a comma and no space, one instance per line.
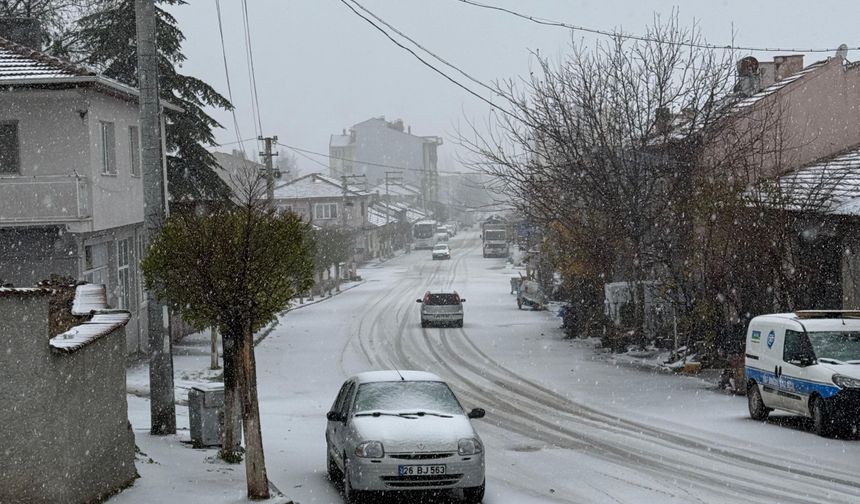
(44,199)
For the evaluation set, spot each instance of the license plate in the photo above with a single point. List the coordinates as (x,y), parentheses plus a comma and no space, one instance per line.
(421,470)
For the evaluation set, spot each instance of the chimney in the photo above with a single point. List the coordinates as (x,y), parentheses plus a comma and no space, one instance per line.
(662,120)
(409,129)
(22,31)
(749,77)
(787,65)
(397,124)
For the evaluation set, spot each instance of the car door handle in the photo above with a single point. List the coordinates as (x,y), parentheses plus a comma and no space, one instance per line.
(776,371)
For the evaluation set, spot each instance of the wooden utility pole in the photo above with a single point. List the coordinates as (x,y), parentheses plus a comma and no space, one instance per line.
(267,158)
(161,400)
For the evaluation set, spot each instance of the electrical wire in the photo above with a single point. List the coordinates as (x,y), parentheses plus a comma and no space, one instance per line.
(229,87)
(252,74)
(630,36)
(428,51)
(425,62)
(367,163)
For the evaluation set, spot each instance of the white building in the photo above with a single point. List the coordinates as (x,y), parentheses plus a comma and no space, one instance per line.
(71,188)
(375,146)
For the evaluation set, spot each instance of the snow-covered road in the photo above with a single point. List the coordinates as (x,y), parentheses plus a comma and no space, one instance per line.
(563,424)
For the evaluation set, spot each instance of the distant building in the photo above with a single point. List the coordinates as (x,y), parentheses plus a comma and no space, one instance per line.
(375,146)
(234,169)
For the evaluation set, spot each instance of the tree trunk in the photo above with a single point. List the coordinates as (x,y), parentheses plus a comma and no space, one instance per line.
(337,276)
(230,445)
(213,362)
(255,461)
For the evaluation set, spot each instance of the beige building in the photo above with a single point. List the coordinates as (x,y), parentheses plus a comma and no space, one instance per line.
(71,188)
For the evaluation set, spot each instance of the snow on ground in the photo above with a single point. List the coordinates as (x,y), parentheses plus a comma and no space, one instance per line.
(563,424)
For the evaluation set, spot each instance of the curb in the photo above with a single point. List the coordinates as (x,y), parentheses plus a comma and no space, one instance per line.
(264,333)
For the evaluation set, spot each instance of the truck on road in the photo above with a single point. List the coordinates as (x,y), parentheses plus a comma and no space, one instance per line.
(494,235)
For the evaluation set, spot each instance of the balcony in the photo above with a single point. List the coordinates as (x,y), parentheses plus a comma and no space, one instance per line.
(45,199)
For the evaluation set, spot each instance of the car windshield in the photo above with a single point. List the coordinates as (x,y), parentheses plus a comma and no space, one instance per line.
(406,397)
(843,346)
(442,299)
(441,248)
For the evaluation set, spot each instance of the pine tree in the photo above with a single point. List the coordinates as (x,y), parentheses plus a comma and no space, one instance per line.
(107,40)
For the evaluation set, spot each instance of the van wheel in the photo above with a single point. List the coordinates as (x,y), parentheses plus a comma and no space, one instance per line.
(758,411)
(822,423)
(423,323)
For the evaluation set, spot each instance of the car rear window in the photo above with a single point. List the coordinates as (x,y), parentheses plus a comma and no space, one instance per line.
(442,299)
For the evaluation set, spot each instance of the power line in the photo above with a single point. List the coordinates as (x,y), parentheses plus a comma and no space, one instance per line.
(367,163)
(229,87)
(252,74)
(428,51)
(630,36)
(425,62)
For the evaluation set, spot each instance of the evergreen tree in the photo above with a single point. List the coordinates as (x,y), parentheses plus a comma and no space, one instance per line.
(107,39)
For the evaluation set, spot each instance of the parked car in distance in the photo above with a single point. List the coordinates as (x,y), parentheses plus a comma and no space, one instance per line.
(806,363)
(530,294)
(445,308)
(400,431)
(441,251)
(442,236)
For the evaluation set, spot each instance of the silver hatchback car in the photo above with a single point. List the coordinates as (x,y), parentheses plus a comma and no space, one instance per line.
(391,431)
(445,308)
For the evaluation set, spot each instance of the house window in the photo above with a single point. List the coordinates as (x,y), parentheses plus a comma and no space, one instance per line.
(325,211)
(108,148)
(123,273)
(9,161)
(134,149)
(96,264)
(282,209)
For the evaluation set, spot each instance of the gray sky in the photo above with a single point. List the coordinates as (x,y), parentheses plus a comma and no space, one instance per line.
(320,68)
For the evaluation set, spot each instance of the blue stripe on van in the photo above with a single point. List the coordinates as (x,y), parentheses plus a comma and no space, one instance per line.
(788,384)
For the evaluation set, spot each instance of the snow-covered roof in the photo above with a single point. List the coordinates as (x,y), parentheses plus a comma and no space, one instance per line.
(24,291)
(89,298)
(22,66)
(100,325)
(376,216)
(830,185)
(340,140)
(315,185)
(392,375)
(776,86)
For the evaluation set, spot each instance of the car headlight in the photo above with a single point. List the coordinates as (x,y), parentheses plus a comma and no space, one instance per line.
(370,449)
(843,381)
(469,446)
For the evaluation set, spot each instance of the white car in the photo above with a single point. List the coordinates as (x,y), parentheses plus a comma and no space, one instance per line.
(445,308)
(441,251)
(807,363)
(403,430)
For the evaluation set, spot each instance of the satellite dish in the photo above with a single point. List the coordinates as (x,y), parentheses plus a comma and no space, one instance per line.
(842,51)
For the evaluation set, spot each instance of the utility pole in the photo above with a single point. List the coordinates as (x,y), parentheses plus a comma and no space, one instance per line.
(270,173)
(390,176)
(161,400)
(343,221)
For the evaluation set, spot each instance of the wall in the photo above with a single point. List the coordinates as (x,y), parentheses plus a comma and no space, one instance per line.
(378,143)
(66,436)
(31,254)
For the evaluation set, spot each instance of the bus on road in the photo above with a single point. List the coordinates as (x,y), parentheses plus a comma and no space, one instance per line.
(424,234)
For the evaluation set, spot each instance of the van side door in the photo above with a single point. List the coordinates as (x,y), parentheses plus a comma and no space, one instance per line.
(797,356)
(771,365)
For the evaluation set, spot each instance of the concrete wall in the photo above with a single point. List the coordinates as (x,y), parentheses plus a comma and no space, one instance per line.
(31,254)
(376,142)
(65,431)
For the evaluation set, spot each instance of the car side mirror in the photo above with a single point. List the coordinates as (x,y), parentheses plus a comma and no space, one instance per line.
(477,413)
(418,301)
(463,300)
(335,416)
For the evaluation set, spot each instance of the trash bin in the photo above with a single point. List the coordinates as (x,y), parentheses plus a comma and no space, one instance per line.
(205,411)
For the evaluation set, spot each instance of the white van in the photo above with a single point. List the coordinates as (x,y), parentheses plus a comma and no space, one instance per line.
(808,363)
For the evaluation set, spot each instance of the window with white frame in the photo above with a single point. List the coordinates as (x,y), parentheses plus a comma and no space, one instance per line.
(9,152)
(96,264)
(134,149)
(108,138)
(123,273)
(325,211)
